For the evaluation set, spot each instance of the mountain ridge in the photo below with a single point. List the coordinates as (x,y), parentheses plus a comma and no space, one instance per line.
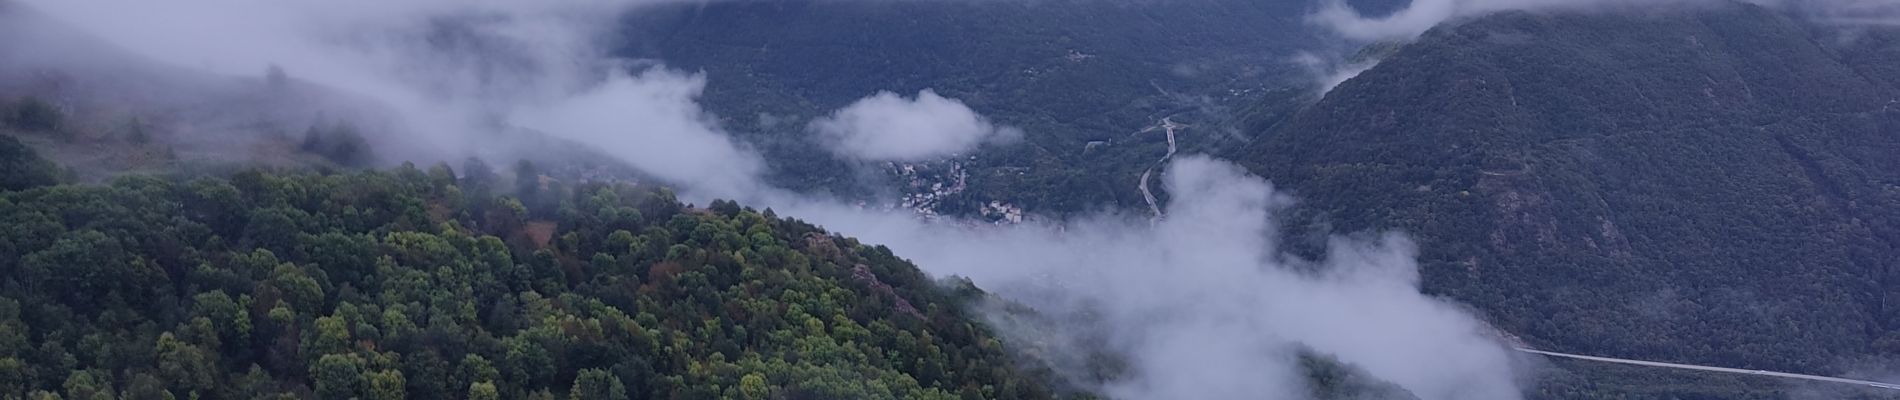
(1594,181)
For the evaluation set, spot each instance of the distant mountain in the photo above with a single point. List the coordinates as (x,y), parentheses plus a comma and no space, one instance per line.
(1079,76)
(122,112)
(126,112)
(1712,185)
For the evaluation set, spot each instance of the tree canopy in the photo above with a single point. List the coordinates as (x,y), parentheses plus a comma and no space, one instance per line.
(413,284)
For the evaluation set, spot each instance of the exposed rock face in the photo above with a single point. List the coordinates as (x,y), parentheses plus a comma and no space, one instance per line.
(863,274)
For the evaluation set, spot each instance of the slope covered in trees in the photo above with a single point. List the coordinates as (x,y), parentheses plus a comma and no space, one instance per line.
(420,284)
(1709,185)
(1078,77)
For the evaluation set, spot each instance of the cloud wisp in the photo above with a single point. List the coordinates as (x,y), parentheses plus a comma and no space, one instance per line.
(444,71)
(1329,72)
(652,120)
(1203,304)
(889,127)
(1852,12)
(1419,16)
(1341,20)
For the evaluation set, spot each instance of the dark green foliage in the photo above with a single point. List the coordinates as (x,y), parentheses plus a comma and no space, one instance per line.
(1332,380)
(594,384)
(35,115)
(22,168)
(1709,186)
(340,144)
(389,285)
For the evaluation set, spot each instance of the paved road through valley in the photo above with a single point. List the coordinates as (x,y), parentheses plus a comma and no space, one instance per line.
(1169,125)
(1882,385)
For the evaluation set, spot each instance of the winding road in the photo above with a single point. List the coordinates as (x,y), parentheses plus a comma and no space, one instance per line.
(1168,125)
(1881,385)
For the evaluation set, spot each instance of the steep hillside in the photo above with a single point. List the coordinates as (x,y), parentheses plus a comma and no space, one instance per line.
(1079,77)
(1711,185)
(414,284)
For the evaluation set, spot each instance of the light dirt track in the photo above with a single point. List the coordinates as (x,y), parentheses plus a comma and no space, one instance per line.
(1882,385)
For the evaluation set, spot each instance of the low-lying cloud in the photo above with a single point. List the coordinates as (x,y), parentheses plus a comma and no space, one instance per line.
(652,121)
(1329,72)
(1339,18)
(1203,303)
(1329,69)
(890,127)
(448,69)
(1421,15)
(1852,12)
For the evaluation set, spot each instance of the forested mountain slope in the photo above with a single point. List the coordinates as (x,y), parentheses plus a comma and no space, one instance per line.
(1067,72)
(414,284)
(1710,185)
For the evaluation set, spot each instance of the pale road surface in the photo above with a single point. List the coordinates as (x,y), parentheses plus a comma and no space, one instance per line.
(1169,125)
(1882,385)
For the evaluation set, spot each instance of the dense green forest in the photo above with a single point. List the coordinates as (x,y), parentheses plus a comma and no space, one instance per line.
(1713,185)
(437,285)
